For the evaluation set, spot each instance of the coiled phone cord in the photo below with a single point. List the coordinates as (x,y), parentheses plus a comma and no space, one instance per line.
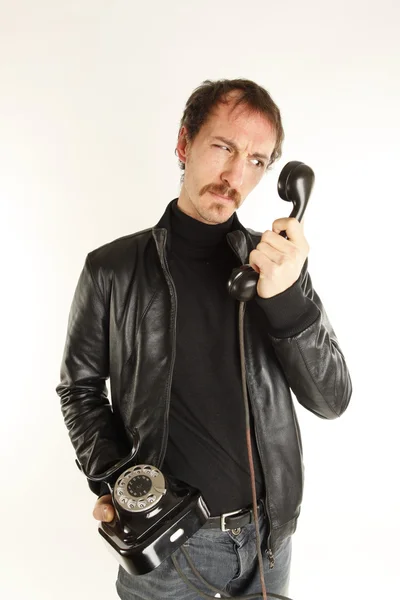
(253,493)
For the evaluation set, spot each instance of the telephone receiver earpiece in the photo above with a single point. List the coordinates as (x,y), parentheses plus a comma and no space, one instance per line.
(295,184)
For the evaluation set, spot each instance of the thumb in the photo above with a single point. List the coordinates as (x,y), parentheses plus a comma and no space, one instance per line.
(103,509)
(252,263)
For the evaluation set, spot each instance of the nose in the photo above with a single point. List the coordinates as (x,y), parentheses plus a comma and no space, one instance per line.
(233,173)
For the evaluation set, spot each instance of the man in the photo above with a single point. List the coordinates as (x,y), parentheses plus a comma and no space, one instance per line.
(152,312)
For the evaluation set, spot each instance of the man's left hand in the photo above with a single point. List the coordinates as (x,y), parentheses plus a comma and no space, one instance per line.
(278,260)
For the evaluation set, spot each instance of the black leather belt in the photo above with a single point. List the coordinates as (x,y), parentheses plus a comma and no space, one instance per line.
(232,520)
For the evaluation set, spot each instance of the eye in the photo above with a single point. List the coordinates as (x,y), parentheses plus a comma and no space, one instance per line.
(260,164)
(217,146)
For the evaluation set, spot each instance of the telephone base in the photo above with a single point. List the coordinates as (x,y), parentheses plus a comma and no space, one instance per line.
(141,554)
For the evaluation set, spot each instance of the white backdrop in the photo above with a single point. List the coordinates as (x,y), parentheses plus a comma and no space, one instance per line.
(91,96)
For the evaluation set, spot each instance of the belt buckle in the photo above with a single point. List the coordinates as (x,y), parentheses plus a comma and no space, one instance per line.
(229,514)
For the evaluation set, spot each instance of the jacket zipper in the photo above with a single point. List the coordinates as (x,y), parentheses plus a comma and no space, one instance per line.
(171,285)
(269,551)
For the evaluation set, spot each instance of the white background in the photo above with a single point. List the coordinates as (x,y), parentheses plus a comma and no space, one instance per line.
(91,97)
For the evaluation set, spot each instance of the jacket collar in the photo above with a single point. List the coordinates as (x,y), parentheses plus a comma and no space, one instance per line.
(239,238)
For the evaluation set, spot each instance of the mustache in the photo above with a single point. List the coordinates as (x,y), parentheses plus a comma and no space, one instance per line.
(224,191)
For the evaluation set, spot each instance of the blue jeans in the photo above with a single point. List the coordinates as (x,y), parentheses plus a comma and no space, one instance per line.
(227,561)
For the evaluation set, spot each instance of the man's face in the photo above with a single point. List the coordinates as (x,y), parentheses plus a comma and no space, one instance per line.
(230,167)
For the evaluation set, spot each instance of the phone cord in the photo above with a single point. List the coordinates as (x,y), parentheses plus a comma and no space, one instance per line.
(209,585)
(254,497)
(249,448)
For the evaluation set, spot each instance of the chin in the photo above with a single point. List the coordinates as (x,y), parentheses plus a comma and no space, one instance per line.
(217,213)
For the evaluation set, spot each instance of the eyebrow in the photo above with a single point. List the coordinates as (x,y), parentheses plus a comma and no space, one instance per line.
(231,143)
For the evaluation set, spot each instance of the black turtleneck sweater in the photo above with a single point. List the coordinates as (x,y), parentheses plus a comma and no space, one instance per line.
(207,443)
(207,440)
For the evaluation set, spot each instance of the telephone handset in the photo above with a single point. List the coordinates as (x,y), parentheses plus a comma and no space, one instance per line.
(155,514)
(295,184)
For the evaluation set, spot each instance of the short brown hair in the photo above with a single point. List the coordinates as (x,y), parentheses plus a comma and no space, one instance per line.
(205,97)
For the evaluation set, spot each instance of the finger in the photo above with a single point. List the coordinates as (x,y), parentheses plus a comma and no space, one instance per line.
(294,229)
(103,509)
(276,241)
(259,261)
(275,255)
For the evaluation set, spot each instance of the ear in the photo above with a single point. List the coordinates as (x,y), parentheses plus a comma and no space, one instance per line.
(182,144)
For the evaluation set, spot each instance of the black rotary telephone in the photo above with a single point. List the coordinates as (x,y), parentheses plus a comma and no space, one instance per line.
(155,514)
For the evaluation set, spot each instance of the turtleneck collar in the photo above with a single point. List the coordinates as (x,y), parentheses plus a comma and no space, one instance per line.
(195,239)
(239,236)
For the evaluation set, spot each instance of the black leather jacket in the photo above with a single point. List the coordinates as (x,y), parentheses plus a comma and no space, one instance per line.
(122,326)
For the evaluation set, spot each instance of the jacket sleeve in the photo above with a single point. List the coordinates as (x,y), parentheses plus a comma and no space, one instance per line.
(82,389)
(307,348)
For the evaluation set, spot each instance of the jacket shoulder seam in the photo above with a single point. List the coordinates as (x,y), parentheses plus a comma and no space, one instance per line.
(120,239)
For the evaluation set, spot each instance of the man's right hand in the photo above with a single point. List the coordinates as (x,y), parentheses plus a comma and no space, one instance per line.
(103,509)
